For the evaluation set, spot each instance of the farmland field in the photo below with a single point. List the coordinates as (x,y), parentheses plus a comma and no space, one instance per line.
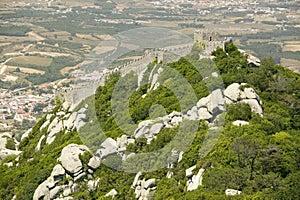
(31,60)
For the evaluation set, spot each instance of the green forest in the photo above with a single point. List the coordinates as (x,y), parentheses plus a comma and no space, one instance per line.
(261,159)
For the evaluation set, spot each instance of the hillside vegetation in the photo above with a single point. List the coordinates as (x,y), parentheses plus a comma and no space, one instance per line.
(260,159)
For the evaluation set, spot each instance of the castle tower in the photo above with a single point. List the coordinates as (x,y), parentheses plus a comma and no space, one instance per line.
(209,41)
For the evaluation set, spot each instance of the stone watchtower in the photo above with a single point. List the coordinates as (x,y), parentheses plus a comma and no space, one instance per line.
(209,41)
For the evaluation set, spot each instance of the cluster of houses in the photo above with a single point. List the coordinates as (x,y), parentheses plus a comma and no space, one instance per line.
(21,104)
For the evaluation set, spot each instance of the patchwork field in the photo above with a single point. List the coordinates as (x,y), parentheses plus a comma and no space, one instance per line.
(26,70)
(293,65)
(291,46)
(32,60)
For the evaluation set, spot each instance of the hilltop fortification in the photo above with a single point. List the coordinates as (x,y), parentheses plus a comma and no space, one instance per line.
(209,41)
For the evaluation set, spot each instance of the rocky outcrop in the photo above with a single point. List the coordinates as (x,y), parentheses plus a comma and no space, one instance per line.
(232,192)
(4,149)
(48,189)
(92,184)
(112,193)
(107,148)
(207,108)
(38,146)
(94,163)
(70,158)
(193,180)
(25,135)
(234,94)
(71,167)
(143,189)
(63,120)
(240,123)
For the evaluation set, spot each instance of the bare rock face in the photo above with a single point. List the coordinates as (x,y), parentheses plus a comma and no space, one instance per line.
(196,180)
(48,189)
(70,157)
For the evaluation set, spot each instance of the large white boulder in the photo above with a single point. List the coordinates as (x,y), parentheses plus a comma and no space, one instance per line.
(232,192)
(70,157)
(240,123)
(204,114)
(189,171)
(254,105)
(250,93)
(203,102)
(233,92)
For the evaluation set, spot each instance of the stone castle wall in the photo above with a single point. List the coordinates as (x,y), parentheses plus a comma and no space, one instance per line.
(208,40)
